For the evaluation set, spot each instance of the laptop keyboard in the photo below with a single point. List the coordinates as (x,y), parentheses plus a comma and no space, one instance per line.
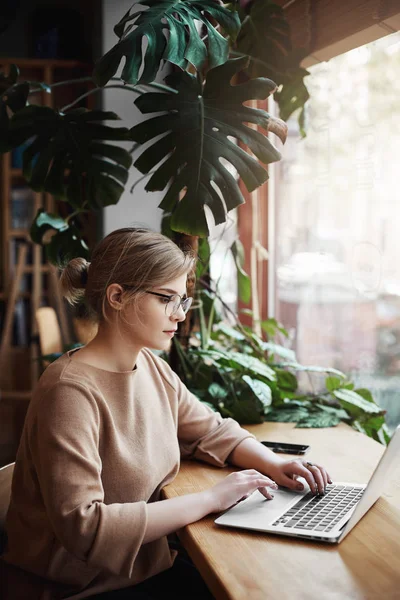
(321,513)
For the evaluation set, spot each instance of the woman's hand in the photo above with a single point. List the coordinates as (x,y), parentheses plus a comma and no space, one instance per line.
(238,486)
(286,473)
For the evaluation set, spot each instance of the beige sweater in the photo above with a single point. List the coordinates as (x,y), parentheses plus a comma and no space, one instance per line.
(97,446)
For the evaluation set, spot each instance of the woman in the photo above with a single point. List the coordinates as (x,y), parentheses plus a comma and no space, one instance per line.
(105,431)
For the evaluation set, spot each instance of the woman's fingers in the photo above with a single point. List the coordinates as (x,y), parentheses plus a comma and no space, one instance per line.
(266,493)
(252,480)
(315,475)
(248,481)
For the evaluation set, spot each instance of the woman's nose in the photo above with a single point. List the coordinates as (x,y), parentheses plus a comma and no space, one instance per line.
(179,315)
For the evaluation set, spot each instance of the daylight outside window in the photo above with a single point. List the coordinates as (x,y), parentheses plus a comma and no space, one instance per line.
(336,210)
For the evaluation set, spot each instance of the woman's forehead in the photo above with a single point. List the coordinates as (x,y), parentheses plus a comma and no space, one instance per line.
(174,286)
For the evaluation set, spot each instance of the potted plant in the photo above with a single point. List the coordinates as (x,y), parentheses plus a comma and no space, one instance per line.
(216,69)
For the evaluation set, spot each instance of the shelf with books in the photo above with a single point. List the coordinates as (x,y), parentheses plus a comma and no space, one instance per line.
(19,205)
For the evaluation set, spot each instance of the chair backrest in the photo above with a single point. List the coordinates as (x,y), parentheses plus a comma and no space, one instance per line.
(50,339)
(6,474)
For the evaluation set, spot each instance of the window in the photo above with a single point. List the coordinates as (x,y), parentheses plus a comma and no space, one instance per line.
(337,222)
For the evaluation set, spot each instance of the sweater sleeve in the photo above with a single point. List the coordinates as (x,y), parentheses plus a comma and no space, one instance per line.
(64,447)
(202,433)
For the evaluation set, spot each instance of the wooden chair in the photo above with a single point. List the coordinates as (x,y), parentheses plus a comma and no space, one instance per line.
(15,583)
(50,339)
(6,474)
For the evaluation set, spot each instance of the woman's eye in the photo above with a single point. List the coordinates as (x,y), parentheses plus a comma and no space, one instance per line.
(164,300)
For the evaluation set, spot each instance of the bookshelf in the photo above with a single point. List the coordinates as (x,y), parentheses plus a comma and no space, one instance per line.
(19,204)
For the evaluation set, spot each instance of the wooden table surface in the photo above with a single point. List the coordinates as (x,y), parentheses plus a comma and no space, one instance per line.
(247,565)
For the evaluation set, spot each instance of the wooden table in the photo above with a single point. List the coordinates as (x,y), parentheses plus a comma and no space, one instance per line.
(246,565)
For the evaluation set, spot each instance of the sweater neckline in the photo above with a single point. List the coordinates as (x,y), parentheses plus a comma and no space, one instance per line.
(88,365)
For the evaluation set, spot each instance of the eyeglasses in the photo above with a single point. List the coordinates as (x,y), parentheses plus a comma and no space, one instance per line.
(175,301)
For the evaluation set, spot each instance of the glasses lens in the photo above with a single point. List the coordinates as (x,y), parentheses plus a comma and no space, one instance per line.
(186,304)
(173,306)
(175,303)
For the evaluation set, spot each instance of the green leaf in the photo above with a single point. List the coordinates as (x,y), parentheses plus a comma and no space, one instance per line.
(195,126)
(203,260)
(333,383)
(13,97)
(65,244)
(286,380)
(229,331)
(43,222)
(208,303)
(271,327)
(265,36)
(251,363)
(236,360)
(184,43)
(16,96)
(286,415)
(312,369)
(355,404)
(217,391)
(366,394)
(294,93)
(260,389)
(67,157)
(244,284)
(272,348)
(340,413)
(383,436)
(320,419)
(373,424)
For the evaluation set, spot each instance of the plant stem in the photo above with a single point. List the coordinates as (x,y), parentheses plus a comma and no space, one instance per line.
(228,309)
(61,83)
(160,86)
(203,329)
(258,61)
(182,357)
(90,92)
(77,212)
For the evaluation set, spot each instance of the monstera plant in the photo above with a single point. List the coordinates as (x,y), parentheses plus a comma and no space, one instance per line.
(196,128)
(220,57)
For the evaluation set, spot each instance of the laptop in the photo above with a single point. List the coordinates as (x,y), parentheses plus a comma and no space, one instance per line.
(328,518)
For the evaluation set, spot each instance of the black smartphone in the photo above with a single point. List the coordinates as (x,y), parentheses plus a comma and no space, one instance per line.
(285,448)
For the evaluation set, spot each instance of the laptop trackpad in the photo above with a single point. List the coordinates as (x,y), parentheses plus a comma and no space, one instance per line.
(257,512)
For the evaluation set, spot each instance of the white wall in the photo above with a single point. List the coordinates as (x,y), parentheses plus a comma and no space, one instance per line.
(141,207)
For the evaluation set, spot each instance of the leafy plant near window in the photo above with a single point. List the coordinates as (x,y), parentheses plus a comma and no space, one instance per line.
(251,380)
(239,54)
(215,69)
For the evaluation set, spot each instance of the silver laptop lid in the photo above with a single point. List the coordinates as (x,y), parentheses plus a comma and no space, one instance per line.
(375,485)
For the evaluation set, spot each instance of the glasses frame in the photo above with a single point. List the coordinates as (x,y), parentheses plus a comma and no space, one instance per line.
(170,296)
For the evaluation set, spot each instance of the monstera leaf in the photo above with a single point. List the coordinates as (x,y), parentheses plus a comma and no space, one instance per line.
(13,96)
(65,242)
(183,45)
(265,37)
(197,122)
(68,157)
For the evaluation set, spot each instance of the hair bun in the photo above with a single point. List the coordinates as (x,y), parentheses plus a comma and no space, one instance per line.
(74,279)
(84,274)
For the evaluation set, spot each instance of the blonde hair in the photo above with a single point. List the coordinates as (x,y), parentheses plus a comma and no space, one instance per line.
(138,259)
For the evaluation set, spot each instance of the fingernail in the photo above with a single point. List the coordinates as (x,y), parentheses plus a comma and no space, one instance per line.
(299,486)
(271,496)
(330,481)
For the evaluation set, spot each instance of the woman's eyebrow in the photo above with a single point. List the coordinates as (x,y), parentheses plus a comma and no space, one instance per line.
(172,291)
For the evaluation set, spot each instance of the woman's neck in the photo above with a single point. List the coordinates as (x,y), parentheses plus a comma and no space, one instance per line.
(108,350)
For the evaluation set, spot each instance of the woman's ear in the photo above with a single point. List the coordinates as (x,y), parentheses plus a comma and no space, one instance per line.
(114,296)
